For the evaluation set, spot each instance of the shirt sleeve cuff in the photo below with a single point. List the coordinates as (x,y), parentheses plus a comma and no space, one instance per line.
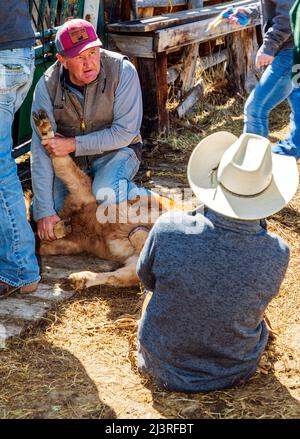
(80,147)
(39,213)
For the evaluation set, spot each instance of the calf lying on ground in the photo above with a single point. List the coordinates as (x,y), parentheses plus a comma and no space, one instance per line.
(121,238)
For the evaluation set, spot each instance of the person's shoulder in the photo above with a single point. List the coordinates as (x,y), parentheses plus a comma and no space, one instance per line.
(40,89)
(41,83)
(50,75)
(278,245)
(128,68)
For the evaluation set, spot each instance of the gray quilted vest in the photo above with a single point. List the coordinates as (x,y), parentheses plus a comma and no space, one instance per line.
(71,117)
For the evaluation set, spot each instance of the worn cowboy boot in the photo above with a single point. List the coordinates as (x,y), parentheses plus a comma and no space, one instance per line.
(6,289)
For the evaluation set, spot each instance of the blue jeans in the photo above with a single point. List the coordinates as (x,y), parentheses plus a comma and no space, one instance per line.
(18,264)
(274,87)
(111,179)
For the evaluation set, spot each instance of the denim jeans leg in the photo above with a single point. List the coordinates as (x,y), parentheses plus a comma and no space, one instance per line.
(18,264)
(291,145)
(274,87)
(112,177)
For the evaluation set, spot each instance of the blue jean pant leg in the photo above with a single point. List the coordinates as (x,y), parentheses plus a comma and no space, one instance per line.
(112,175)
(274,87)
(291,145)
(60,192)
(18,264)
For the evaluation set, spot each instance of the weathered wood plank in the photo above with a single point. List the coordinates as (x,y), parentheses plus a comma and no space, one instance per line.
(173,38)
(205,63)
(174,19)
(134,45)
(213,59)
(173,73)
(126,10)
(159,3)
(162,93)
(146,12)
(241,71)
(153,79)
(190,33)
(189,65)
(190,55)
(195,93)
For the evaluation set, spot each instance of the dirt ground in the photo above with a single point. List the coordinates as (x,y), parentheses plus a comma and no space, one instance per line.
(79,362)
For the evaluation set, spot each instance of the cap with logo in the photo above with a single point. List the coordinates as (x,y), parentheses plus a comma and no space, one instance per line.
(75,36)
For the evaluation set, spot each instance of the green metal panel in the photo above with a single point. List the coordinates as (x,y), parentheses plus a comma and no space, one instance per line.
(42,9)
(53,9)
(64,11)
(78,8)
(101,24)
(30,2)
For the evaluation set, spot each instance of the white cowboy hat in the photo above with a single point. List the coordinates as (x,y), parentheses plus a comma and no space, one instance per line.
(240,177)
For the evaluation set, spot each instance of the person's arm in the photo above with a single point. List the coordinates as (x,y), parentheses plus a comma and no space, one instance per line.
(280,31)
(144,266)
(42,170)
(127,117)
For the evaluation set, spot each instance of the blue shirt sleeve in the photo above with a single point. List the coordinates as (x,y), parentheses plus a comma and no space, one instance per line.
(41,165)
(280,30)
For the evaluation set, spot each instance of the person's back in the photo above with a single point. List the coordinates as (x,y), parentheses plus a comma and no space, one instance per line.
(213,275)
(214,278)
(15,28)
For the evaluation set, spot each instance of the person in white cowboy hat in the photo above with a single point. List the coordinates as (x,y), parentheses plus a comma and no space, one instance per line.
(94,102)
(213,274)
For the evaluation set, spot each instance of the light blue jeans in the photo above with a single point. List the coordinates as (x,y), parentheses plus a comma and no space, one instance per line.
(274,87)
(111,179)
(18,264)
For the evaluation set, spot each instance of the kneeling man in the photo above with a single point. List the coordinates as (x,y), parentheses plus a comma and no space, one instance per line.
(93,99)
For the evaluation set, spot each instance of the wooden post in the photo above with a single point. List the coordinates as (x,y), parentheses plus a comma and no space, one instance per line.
(193,96)
(153,78)
(189,56)
(146,12)
(126,10)
(242,48)
(189,65)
